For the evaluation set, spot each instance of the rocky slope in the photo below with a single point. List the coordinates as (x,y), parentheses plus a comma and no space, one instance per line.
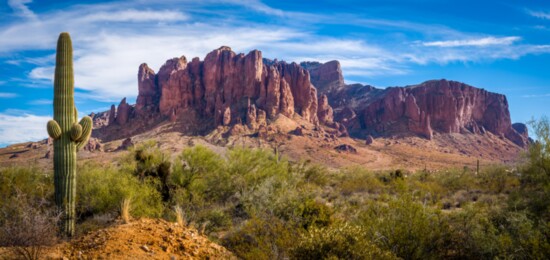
(245,93)
(430,108)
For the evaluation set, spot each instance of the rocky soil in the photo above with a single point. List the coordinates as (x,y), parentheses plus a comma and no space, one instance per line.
(139,239)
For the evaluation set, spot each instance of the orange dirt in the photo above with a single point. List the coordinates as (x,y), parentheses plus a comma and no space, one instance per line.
(140,239)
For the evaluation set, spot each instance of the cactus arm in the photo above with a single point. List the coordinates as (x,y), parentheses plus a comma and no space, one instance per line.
(54,131)
(75,116)
(86,123)
(76,131)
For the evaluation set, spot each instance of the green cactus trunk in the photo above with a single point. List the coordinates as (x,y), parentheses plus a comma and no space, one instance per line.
(67,133)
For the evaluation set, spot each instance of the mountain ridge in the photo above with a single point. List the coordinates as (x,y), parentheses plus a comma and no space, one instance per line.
(247,92)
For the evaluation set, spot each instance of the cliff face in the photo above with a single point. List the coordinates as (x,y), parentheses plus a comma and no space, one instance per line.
(437,106)
(224,89)
(228,89)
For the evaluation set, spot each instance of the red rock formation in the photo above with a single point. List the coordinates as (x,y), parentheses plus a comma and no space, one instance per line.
(222,86)
(325,76)
(232,89)
(112,114)
(324,111)
(438,106)
(148,90)
(123,112)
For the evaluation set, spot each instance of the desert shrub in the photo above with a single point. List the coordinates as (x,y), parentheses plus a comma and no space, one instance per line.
(261,238)
(428,192)
(473,234)
(313,174)
(248,168)
(519,238)
(498,179)
(314,214)
(535,174)
(101,189)
(405,227)
(34,183)
(456,179)
(217,220)
(340,241)
(151,164)
(27,226)
(359,180)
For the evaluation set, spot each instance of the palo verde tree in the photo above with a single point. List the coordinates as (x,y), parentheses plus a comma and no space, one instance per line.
(68,134)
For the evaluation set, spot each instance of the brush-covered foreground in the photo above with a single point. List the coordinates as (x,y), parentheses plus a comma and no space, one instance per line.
(260,206)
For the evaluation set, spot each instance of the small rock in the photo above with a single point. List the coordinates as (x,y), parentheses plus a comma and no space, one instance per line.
(145,248)
(299,131)
(127,143)
(369,140)
(346,148)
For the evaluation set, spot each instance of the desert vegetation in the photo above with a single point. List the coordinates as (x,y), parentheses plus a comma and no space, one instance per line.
(260,206)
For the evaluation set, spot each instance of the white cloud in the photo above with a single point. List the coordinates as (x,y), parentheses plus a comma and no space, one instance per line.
(42,73)
(536,96)
(7,95)
(40,102)
(480,42)
(24,128)
(133,15)
(539,14)
(19,6)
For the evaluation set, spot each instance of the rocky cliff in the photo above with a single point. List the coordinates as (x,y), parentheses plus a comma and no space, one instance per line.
(229,89)
(223,90)
(432,107)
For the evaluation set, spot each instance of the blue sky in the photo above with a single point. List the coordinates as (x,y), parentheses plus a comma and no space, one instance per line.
(502,46)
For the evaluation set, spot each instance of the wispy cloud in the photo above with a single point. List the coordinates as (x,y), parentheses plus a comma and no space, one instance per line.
(539,14)
(7,95)
(24,128)
(536,96)
(133,15)
(21,9)
(480,42)
(40,102)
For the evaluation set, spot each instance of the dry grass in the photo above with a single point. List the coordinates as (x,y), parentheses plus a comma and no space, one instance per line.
(125,207)
(180,217)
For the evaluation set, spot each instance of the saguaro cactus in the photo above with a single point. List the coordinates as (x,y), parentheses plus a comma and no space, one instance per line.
(68,134)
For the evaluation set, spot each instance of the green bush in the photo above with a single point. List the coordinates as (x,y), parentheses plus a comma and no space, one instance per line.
(101,189)
(261,238)
(34,183)
(314,214)
(359,180)
(535,174)
(341,241)
(405,227)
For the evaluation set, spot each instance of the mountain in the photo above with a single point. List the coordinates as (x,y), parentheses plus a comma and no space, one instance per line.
(430,108)
(305,111)
(247,92)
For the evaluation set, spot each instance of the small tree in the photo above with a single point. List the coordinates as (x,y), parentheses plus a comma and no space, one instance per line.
(535,178)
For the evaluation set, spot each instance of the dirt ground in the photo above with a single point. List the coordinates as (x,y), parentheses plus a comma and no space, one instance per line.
(139,239)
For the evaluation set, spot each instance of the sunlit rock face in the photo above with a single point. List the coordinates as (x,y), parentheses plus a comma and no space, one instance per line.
(436,106)
(230,88)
